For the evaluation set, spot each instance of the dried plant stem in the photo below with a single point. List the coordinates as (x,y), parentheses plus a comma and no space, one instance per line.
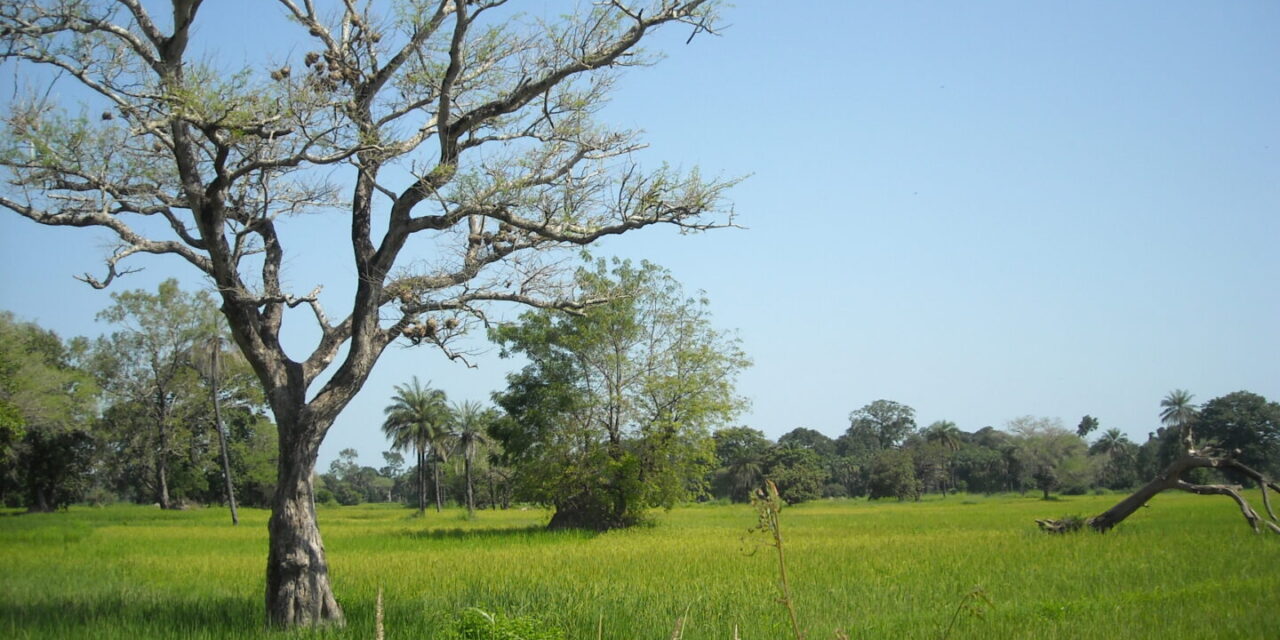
(769,505)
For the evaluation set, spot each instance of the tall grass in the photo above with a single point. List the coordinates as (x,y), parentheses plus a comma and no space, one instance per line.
(1187,567)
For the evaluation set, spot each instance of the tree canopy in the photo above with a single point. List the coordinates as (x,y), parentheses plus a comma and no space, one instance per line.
(618,401)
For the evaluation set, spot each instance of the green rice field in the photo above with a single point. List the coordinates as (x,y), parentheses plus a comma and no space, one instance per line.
(1187,567)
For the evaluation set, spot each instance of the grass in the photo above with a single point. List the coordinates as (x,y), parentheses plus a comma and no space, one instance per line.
(1186,567)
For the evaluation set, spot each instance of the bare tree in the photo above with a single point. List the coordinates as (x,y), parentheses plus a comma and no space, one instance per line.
(448,119)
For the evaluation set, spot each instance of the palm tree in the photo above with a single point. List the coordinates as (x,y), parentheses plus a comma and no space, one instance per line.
(417,419)
(207,355)
(746,474)
(470,432)
(1112,443)
(947,435)
(1177,411)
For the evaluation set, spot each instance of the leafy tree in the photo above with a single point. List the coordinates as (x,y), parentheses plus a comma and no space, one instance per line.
(798,473)
(944,439)
(1053,455)
(1087,425)
(252,448)
(46,402)
(888,422)
(982,467)
(1119,455)
(443,119)
(342,479)
(809,439)
(146,364)
(418,418)
(393,468)
(850,473)
(893,475)
(740,455)
(618,401)
(1245,424)
(57,467)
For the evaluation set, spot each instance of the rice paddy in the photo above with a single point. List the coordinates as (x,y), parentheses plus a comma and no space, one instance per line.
(1186,567)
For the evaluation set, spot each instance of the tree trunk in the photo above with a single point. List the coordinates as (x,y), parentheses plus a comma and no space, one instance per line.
(162,475)
(435,478)
(298,590)
(41,504)
(226,469)
(471,502)
(1125,508)
(222,438)
(422,482)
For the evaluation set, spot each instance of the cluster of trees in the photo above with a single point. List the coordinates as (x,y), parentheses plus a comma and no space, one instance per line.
(611,416)
(161,410)
(883,454)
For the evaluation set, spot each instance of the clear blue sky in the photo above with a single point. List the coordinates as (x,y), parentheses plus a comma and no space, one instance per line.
(981,210)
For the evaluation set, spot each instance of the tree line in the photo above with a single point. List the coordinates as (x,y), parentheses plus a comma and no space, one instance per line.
(884,454)
(161,410)
(621,408)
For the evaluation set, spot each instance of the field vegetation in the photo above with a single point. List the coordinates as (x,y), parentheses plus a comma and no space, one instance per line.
(1185,567)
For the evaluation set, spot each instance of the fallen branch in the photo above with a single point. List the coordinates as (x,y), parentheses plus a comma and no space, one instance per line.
(1171,478)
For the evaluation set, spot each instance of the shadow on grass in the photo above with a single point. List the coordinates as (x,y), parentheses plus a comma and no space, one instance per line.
(126,617)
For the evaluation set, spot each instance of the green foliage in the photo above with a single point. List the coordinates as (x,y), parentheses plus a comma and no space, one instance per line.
(740,455)
(159,370)
(55,469)
(809,439)
(613,413)
(1051,455)
(418,418)
(1244,422)
(884,422)
(1087,425)
(893,475)
(477,624)
(798,473)
(46,405)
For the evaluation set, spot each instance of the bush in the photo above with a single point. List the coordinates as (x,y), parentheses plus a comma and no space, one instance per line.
(325,497)
(835,490)
(476,624)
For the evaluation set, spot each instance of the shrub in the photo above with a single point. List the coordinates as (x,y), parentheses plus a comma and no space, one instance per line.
(477,624)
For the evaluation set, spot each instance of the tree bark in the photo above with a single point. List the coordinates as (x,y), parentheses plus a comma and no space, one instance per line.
(471,502)
(298,589)
(435,479)
(422,482)
(162,470)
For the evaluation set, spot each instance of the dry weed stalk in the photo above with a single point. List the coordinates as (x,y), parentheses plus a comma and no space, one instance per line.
(975,603)
(768,505)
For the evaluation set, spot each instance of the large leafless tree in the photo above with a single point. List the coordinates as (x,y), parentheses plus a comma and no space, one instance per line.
(459,122)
